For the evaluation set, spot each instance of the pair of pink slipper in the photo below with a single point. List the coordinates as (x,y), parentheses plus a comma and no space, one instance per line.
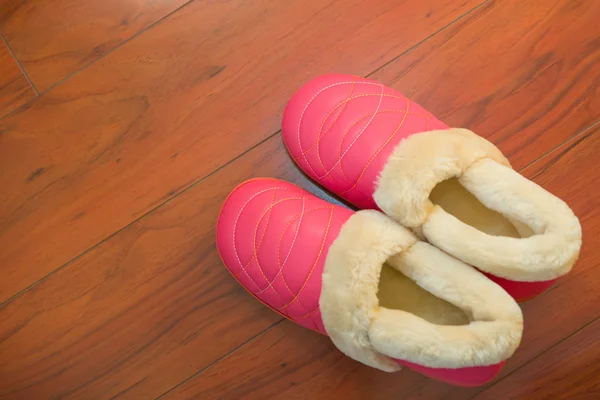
(427,274)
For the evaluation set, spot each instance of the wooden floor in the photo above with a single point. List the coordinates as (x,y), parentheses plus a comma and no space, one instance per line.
(125,123)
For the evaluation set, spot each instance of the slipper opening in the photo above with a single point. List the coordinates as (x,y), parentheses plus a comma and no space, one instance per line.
(504,224)
(458,191)
(456,200)
(463,319)
(396,291)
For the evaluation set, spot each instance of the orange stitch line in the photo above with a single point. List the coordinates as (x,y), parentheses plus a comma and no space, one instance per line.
(244,268)
(262,236)
(281,267)
(236,252)
(320,138)
(312,318)
(339,156)
(380,148)
(348,130)
(381,96)
(316,260)
(243,207)
(255,253)
(321,135)
(310,102)
(281,238)
(273,205)
(343,103)
(308,314)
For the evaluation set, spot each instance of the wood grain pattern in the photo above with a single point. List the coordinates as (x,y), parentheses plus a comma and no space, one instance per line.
(312,365)
(294,364)
(165,109)
(523,73)
(568,371)
(14,88)
(145,309)
(53,39)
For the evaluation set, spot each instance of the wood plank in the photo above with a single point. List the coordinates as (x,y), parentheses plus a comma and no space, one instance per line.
(145,309)
(312,365)
(289,362)
(523,73)
(569,370)
(53,39)
(166,109)
(14,88)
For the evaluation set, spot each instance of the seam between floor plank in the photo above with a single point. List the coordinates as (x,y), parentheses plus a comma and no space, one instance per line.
(12,53)
(541,353)
(443,28)
(567,141)
(83,253)
(69,76)
(219,359)
(181,7)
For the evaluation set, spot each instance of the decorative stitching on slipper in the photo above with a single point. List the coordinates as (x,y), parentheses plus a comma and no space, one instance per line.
(317,258)
(381,147)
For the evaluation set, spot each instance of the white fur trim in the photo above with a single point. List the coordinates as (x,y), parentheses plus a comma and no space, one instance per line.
(425,159)
(420,162)
(373,335)
(548,254)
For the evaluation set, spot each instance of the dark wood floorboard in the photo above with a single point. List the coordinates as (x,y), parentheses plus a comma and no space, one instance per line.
(53,39)
(15,90)
(110,283)
(164,110)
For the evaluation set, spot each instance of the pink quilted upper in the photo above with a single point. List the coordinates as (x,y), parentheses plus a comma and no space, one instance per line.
(341,129)
(273,237)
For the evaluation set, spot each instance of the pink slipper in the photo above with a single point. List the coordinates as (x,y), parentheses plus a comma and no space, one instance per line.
(376,149)
(383,297)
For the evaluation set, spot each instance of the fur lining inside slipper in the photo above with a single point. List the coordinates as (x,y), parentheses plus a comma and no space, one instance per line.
(424,160)
(420,162)
(374,335)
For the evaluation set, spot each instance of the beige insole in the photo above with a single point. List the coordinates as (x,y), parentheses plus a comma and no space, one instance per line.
(398,292)
(458,201)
